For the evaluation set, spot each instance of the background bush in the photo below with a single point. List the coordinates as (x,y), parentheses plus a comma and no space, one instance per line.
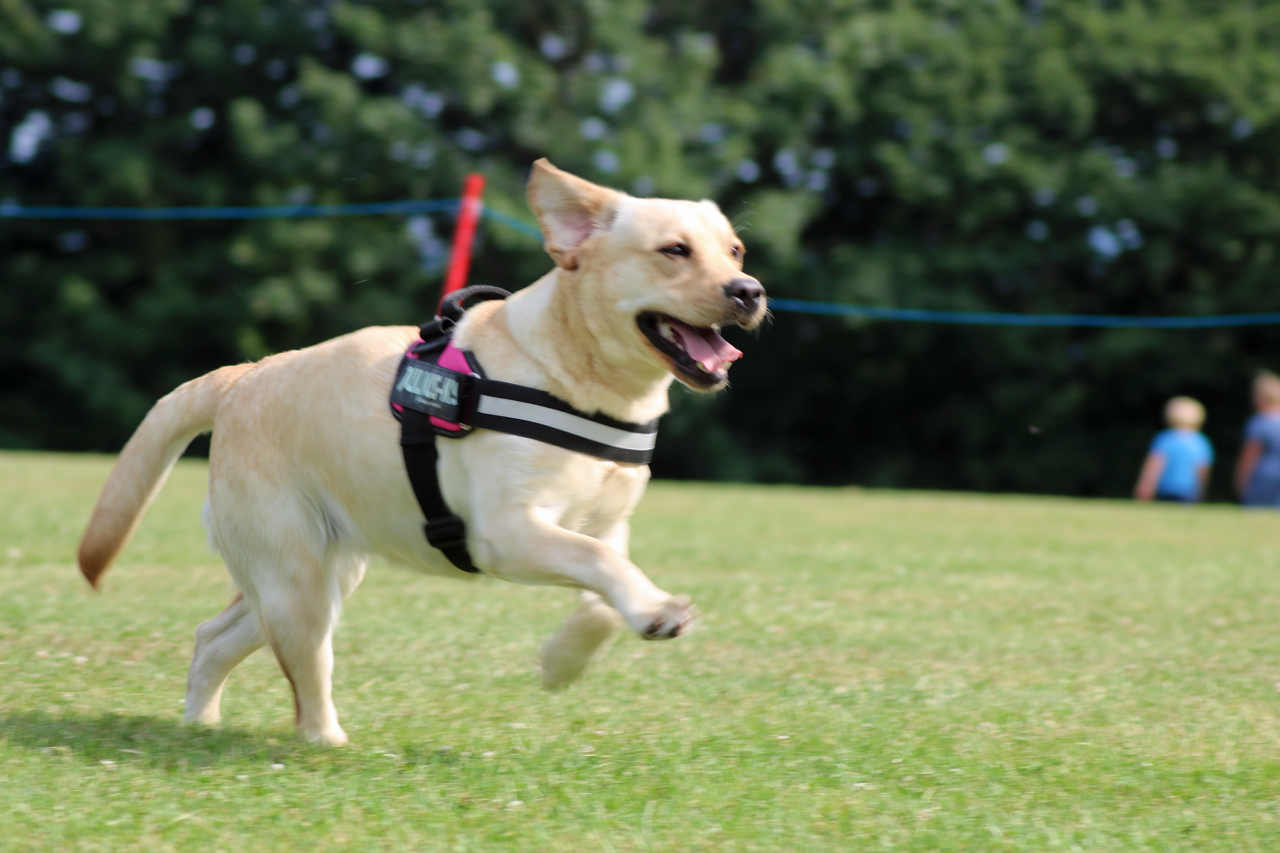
(1085,157)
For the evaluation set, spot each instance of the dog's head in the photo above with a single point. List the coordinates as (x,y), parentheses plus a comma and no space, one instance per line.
(662,276)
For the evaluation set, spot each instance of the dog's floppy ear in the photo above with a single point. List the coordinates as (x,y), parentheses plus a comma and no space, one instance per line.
(569,210)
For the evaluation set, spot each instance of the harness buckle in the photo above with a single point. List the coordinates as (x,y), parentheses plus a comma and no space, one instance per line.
(445,532)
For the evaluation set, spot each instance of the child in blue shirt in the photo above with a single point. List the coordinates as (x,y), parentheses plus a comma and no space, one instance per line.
(1258,472)
(1177,465)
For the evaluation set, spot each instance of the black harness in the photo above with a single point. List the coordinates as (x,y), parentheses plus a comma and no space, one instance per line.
(431,399)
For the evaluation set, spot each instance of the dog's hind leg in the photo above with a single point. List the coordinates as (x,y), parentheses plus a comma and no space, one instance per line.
(299,611)
(221,643)
(568,653)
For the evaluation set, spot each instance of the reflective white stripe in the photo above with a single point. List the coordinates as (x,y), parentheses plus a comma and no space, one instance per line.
(565,422)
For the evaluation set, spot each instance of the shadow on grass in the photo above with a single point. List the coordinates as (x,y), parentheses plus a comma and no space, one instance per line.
(152,740)
(166,744)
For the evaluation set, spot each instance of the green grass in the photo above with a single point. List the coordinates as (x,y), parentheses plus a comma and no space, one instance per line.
(874,670)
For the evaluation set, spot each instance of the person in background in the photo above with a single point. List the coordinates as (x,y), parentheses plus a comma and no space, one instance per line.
(1258,471)
(1177,465)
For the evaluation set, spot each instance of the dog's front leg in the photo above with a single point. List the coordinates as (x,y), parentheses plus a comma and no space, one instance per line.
(569,651)
(528,550)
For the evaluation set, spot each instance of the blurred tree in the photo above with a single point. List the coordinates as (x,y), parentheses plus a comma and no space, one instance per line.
(1093,157)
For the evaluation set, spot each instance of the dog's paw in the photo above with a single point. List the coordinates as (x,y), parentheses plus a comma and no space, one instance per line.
(566,655)
(674,618)
(562,664)
(333,736)
(206,715)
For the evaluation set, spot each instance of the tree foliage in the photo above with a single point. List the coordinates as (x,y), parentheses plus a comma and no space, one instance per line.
(1087,157)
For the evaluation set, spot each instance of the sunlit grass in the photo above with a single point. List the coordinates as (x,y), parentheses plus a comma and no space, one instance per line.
(873,670)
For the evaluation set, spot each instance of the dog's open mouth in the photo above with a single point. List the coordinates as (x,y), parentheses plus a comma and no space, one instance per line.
(700,356)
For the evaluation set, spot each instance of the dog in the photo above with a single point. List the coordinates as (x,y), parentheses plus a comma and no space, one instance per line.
(307,481)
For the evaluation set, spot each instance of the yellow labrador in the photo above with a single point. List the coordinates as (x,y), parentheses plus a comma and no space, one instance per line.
(307,482)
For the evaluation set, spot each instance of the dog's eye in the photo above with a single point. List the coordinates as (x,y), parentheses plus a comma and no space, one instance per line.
(676,250)
(736,252)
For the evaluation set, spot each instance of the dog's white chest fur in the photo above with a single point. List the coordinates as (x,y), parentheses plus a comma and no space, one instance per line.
(593,496)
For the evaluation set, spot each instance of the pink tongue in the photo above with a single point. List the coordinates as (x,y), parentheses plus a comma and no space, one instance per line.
(705,346)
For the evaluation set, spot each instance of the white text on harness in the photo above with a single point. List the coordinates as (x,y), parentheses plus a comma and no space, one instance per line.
(429,386)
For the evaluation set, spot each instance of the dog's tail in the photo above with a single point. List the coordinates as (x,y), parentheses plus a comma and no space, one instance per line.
(145,462)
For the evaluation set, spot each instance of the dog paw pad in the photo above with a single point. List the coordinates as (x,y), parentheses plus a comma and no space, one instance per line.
(674,618)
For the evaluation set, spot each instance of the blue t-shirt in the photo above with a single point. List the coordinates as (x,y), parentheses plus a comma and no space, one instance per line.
(1185,452)
(1263,488)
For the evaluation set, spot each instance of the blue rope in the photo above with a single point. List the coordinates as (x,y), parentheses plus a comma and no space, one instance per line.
(987,318)
(14,211)
(973,318)
(799,306)
(513,223)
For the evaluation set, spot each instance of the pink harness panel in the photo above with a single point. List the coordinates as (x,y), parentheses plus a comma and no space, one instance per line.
(451,359)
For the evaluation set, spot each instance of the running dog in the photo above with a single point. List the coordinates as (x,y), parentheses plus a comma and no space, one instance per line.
(307,481)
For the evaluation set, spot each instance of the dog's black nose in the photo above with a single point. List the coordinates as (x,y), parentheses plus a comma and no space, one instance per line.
(746,292)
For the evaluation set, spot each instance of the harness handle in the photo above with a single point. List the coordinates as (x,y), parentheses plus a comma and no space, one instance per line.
(451,309)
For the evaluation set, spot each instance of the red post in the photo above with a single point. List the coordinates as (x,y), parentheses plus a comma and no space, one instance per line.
(464,235)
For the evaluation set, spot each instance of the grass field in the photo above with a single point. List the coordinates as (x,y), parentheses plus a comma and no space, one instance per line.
(874,670)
